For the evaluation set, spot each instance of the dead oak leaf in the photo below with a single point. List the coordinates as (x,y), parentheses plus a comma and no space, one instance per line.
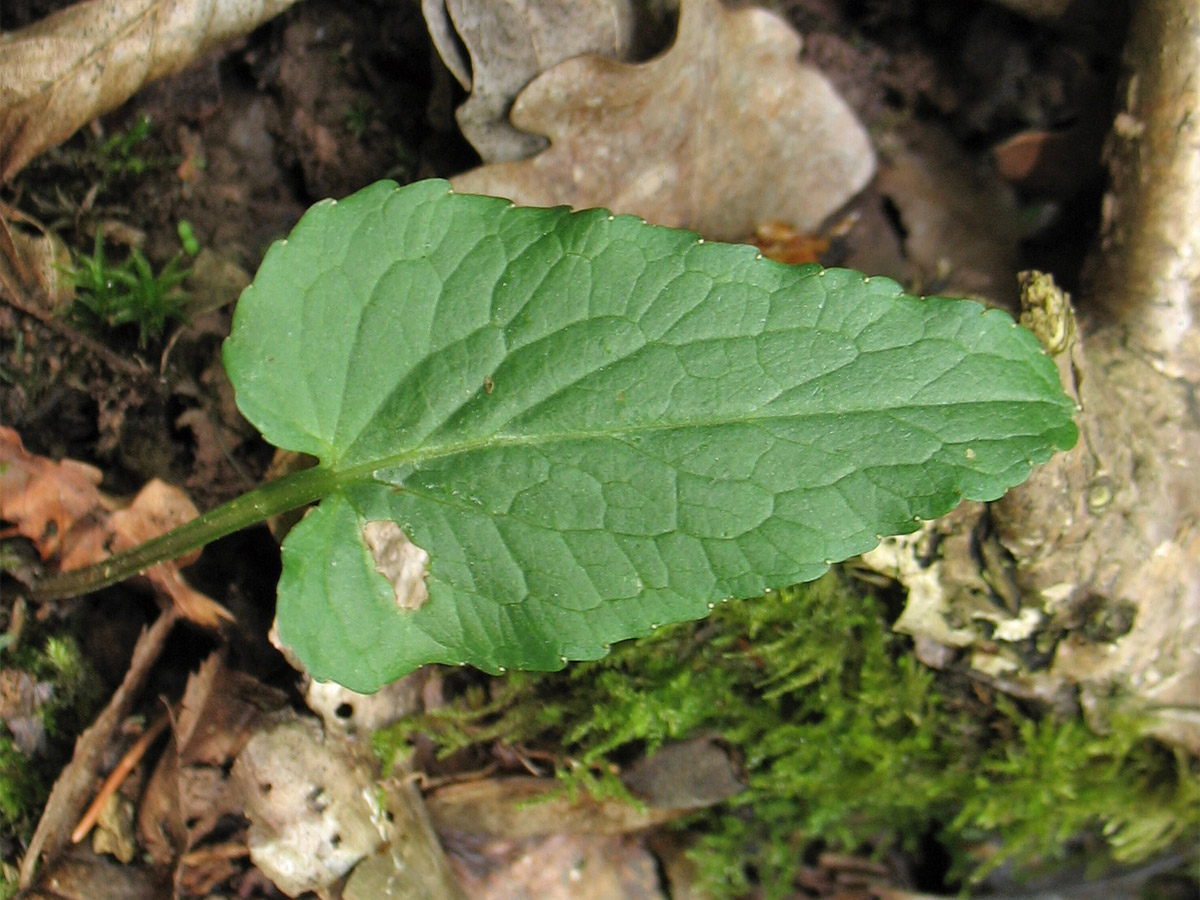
(723,131)
(61,509)
(82,61)
(44,499)
(509,43)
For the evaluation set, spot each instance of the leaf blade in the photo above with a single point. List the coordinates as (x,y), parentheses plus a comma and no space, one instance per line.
(595,426)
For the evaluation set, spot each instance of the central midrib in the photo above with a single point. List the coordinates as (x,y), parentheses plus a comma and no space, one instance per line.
(365,471)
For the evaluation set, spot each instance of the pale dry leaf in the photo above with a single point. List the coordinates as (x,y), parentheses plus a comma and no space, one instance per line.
(317,814)
(33,265)
(510,43)
(400,561)
(725,130)
(63,71)
(411,865)
(22,698)
(348,712)
(61,509)
(562,867)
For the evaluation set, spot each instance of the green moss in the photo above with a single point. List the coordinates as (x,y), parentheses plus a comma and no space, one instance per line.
(73,697)
(18,784)
(112,295)
(845,740)
(1055,780)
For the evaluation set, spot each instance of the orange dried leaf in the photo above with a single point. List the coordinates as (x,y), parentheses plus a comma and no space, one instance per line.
(60,508)
(783,243)
(43,498)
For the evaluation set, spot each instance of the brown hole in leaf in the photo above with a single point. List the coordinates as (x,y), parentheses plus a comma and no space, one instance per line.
(400,561)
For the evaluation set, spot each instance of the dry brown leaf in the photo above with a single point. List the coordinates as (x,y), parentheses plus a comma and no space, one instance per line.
(783,243)
(725,130)
(962,227)
(190,790)
(510,43)
(43,498)
(32,265)
(60,508)
(78,63)
(519,807)
(678,779)
(83,874)
(561,867)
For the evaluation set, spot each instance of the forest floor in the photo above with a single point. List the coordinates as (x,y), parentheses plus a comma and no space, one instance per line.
(959,101)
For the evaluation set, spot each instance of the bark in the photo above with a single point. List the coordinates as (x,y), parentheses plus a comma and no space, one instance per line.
(1148,273)
(1083,585)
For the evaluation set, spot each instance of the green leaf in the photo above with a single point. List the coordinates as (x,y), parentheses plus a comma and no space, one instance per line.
(595,426)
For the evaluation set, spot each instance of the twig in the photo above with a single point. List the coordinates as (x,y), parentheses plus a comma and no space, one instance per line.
(74,784)
(118,775)
(72,334)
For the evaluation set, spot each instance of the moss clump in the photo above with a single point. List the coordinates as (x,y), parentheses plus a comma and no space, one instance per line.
(67,696)
(846,741)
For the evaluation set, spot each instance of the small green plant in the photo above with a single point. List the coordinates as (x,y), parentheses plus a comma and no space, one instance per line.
(359,116)
(113,295)
(118,156)
(845,741)
(541,432)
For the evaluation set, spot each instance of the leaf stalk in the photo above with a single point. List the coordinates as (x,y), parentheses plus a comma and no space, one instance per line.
(270,499)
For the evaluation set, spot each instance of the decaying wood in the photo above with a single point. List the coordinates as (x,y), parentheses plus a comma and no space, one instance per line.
(1148,272)
(1089,588)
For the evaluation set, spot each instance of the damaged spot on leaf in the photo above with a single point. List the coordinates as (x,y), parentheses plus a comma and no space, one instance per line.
(400,561)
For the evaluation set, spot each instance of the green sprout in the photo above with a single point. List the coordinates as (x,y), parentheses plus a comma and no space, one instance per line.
(117,153)
(131,293)
(359,116)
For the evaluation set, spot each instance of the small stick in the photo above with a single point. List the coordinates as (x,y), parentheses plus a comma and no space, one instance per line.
(131,758)
(113,361)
